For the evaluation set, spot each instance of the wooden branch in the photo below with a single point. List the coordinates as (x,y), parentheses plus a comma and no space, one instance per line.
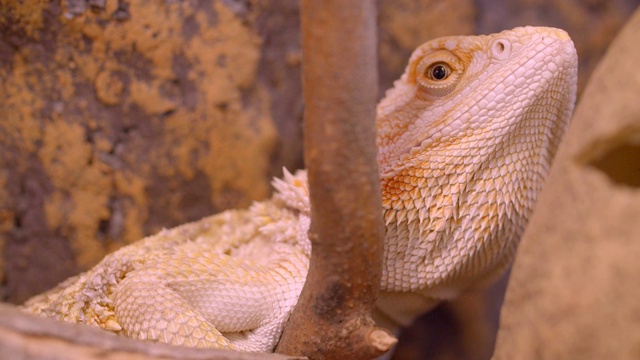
(24,336)
(332,318)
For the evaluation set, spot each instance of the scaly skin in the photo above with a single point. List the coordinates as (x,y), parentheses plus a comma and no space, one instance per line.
(465,139)
(462,159)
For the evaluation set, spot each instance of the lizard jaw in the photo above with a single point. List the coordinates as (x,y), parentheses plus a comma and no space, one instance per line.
(460,171)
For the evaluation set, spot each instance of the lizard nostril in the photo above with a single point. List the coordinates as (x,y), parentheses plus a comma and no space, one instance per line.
(501,49)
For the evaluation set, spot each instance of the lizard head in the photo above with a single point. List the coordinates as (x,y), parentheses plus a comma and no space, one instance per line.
(465,139)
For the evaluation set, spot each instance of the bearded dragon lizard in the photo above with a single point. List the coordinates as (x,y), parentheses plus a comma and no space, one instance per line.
(465,139)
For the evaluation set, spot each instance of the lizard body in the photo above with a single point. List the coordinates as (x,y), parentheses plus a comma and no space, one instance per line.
(465,139)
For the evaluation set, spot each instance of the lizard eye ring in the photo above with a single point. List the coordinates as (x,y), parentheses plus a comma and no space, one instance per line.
(439,72)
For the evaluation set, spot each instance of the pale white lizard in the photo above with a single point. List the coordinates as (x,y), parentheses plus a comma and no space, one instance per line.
(465,139)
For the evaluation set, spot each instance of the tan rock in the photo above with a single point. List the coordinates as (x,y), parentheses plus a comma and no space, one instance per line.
(574,289)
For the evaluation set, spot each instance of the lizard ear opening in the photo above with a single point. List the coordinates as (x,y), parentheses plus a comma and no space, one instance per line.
(439,72)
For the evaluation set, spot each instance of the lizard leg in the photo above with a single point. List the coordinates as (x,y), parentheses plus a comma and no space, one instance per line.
(152,311)
(249,314)
(223,303)
(249,311)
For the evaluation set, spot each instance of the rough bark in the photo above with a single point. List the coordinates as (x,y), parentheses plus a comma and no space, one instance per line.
(28,337)
(332,318)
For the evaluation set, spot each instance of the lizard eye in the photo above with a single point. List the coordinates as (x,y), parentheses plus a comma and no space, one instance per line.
(438,73)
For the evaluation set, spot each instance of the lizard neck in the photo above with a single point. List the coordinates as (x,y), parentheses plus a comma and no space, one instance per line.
(454,219)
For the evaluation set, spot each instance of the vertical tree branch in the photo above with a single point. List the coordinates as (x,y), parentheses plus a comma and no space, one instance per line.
(332,318)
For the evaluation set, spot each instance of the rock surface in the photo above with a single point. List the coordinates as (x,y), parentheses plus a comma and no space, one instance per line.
(575,285)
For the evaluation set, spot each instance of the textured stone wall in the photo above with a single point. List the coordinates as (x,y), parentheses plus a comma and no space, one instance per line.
(113,129)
